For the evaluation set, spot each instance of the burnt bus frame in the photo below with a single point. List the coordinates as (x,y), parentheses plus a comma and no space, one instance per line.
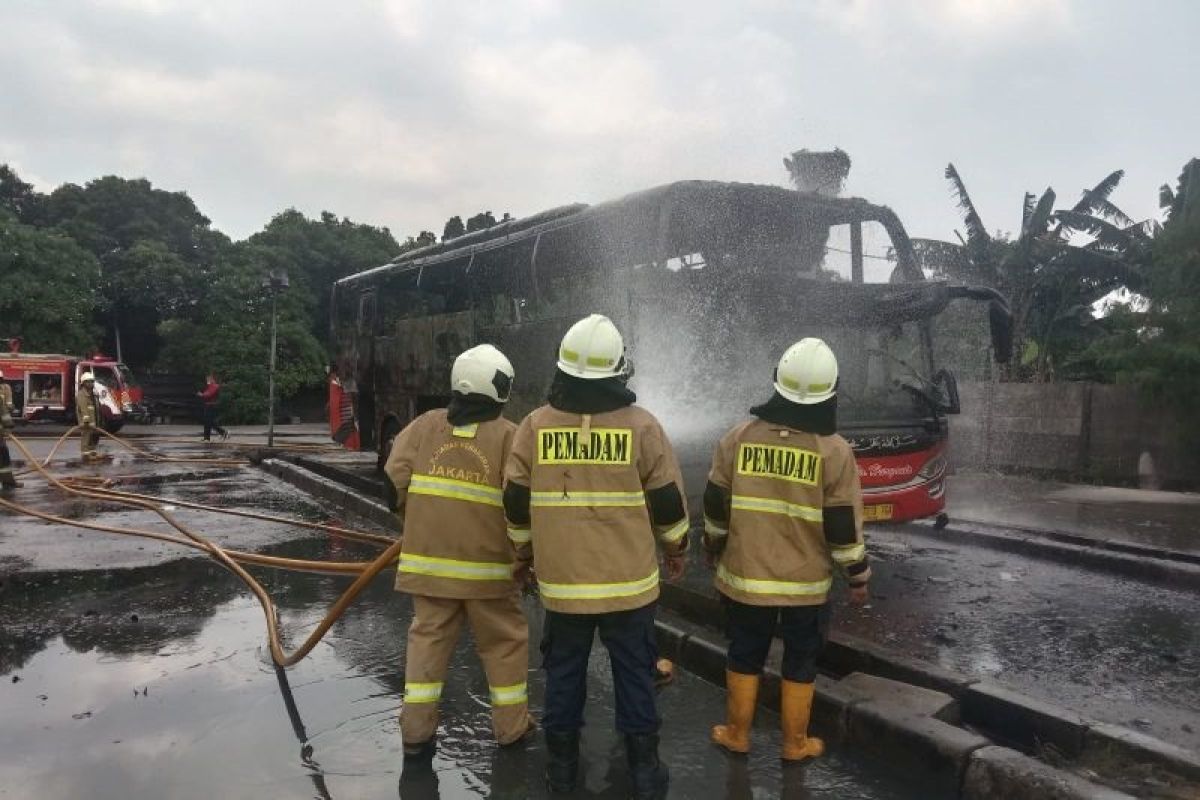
(383,413)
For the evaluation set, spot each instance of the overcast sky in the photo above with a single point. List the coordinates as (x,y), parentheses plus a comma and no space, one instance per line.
(402,113)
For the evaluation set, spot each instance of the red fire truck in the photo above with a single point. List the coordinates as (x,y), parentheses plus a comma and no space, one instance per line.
(43,386)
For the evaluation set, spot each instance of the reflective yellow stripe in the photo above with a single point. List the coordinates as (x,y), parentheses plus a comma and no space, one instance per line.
(456,490)
(450,568)
(743,502)
(422,692)
(756,586)
(510,695)
(848,554)
(570,499)
(675,532)
(714,530)
(520,535)
(597,591)
(466,431)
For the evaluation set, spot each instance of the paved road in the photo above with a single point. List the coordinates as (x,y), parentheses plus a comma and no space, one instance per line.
(131,673)
(1165,520)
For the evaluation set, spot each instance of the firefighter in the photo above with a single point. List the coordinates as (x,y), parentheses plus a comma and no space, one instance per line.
(782,506)
(446,468)
(591,483)
(87,415)
(7,480)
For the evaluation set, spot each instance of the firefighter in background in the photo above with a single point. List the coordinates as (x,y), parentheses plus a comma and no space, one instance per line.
(591,483)
(782,505)
(7,480)
(446,468)
(87,416)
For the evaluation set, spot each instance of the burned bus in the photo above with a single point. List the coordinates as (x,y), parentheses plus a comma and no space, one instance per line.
(709,282)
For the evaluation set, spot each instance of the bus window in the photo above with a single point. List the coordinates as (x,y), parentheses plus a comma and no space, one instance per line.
(860,252)
(366,312)
(502,286)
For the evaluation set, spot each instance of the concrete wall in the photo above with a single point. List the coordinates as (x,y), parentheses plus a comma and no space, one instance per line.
(1080,431)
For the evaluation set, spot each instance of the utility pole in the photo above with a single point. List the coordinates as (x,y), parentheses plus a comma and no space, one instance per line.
(275,281)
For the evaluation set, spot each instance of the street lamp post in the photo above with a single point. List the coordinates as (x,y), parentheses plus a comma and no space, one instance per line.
(275,282)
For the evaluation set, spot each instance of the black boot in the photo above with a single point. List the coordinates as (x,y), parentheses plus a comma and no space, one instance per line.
(419,756)
(649,776)
(562,765)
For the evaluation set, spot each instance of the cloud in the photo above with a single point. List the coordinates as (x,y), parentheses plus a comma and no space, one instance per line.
(405,112)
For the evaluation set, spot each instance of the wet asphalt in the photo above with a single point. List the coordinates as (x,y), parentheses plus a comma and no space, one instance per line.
(131,670)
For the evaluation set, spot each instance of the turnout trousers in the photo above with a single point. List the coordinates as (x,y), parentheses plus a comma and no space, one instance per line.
(502,640)
(750,629)
(89,440)
(566,646)
(6,468)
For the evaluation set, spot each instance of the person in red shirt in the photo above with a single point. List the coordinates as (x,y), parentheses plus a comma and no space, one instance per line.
(212,391)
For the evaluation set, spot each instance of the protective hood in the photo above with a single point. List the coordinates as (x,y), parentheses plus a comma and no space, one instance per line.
(818,418)
(595,396)
(465,409)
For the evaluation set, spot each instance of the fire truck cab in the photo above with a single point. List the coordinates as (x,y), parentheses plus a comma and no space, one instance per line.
(44,385)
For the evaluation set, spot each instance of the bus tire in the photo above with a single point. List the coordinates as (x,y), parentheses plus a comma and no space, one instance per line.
(387,437)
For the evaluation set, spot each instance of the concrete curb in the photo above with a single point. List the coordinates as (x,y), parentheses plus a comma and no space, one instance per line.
(912,728)
(999,772)
(371,489)
(331,491)
(1158,568)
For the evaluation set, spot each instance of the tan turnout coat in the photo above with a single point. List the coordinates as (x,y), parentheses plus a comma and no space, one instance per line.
(448,480)
(780,482)
(593,543)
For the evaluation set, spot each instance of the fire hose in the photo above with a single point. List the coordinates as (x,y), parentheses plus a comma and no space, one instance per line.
(232,560)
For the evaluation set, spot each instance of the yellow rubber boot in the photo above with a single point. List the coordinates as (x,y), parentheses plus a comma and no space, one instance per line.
(741,695)
(795,711)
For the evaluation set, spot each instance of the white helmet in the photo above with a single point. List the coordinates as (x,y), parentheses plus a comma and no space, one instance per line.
(592,349)
(807,373)
(87,376)
(482,370)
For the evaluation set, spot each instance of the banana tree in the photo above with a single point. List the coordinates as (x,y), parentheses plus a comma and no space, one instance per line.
(1051,283)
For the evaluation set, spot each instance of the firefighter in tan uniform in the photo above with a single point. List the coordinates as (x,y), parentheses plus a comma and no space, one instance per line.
(87,415)
(457,563)
(592,482)
(7,480)
(782,506)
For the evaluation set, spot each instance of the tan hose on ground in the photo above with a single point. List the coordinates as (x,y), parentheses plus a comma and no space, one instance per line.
(224,558)
(278,562)
(347,533)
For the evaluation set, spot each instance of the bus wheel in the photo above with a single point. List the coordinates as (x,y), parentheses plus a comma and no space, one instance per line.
(941,521)
(391,429)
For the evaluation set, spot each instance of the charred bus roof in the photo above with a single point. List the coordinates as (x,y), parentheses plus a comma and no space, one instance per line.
(704,210)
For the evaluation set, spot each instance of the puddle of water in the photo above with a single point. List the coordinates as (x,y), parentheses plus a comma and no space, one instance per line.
(155,683)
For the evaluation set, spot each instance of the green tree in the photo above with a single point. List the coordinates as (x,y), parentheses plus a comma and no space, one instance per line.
(820,171)
(229,333)
(317,252)
(47,289)
(483,219)
(453,229)
(155,250)
(18,197)
(1153,342)
(1051,283)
